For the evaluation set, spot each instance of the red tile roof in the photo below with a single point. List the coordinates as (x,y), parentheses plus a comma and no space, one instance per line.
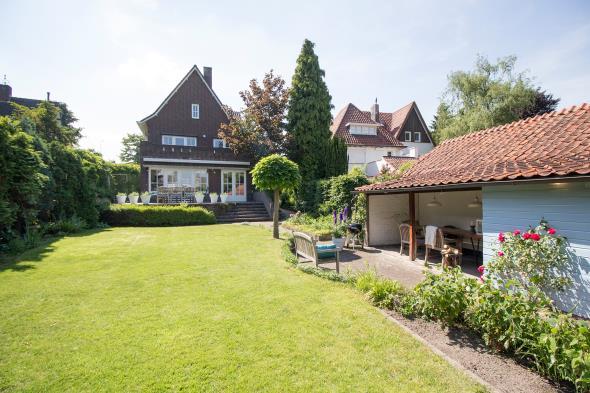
(394,162)
(386,135)
(553,144)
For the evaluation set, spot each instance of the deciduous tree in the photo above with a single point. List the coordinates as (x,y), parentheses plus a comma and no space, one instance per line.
(130,149)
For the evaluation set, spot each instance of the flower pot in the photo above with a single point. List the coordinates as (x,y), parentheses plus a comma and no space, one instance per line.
(199,197)
(133,199)
(213,197)
(223,198)
(146,197)
(338,242)
(121,199)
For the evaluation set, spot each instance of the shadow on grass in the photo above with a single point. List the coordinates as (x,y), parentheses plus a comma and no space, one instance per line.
(27,259)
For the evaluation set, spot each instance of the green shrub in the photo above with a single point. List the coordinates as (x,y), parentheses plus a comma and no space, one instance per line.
(337,191)
(321,227)
(154,216)
(70,225)
(441,297)
(380,291)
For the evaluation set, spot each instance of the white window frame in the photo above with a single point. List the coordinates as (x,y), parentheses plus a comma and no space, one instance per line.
(201,175)
(408,136)
(360,129)
(195,111)
(417,136)
(224,144)
(171,140)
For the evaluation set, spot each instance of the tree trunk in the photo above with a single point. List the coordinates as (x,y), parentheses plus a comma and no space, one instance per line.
(275,215)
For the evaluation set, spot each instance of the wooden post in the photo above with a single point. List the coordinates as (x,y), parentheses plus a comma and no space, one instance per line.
(412,209)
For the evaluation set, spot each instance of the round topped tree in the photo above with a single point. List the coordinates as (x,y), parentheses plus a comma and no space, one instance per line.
(275,173)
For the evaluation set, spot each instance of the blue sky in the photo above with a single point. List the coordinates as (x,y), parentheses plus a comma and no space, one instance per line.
(113,62)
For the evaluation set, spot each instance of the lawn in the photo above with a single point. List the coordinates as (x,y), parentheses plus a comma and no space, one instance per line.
(197,309)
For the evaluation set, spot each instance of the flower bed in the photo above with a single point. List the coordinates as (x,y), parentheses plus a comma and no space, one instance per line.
(320,227)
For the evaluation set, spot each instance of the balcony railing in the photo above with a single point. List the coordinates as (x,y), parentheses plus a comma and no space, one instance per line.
(153,150)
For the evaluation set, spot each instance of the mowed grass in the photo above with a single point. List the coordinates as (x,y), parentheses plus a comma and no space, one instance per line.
(210,308)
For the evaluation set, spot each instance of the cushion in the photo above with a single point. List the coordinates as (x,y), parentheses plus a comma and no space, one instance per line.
(324,250)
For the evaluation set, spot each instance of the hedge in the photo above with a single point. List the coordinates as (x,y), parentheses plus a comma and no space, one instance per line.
(155,216)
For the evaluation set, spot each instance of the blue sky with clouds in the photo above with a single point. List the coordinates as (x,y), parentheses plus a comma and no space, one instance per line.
(113,62)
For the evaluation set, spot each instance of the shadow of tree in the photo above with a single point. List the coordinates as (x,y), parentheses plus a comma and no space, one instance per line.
(575,298)
(28,259)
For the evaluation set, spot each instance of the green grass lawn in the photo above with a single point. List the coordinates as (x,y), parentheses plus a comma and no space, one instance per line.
(209,308)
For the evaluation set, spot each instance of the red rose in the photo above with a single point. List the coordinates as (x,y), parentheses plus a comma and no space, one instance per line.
(535,237)
(500,254)
(516,232)
(501,237)
(481,269)
(526,236)
(551,231)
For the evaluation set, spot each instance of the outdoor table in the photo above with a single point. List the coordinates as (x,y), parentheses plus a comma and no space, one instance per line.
(464,234)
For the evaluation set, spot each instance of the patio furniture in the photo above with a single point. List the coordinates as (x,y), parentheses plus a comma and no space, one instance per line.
(307,247)
(450,256)
(475,238)
(439,242)
(404,233)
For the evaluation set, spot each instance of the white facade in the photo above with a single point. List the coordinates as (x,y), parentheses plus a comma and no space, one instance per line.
(371,158)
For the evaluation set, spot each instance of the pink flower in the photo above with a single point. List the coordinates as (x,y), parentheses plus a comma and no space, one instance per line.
(535,237)
(501,237)
(500,254)
(551,231)
(481,269)
(526,236)
(516,232)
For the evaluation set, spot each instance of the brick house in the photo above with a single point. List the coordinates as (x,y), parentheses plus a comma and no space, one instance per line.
(372,135)
(181,146)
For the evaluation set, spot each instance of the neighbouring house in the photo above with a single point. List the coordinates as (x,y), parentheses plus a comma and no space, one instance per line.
(7,99)
(372,135)
(393,164)
(182,148)
(509,177)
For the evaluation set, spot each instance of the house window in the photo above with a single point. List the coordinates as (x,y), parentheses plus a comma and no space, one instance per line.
(156,179)
(388,154)
(362,130)
(220,144)
(201,182)
(172,178)
(179,140)
(195,111)
(417,137)
(408,136)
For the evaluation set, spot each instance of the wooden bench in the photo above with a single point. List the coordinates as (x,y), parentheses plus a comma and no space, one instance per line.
(306,247)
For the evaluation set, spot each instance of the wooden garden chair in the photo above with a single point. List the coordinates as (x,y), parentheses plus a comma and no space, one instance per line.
(306,247)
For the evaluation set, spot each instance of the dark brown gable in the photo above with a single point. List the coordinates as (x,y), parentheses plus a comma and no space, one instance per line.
(175,117)
(413,124)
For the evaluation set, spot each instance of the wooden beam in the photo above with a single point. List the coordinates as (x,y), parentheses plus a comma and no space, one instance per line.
(412,209)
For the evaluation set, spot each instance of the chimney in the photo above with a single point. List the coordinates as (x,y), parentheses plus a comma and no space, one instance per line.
(375,111)
(208,75)
(5,91)
(48,94)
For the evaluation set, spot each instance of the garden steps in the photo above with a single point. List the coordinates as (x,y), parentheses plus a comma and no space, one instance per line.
(239,212)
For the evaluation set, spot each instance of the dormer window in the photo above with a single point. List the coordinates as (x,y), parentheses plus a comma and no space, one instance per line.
(417,137)
(220,144)
(408,136)
(358,129)
(195,111)
(176,140)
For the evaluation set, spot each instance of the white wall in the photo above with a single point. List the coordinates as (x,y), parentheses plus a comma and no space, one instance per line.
(359,156)
(386,212)
(567,208)
(421,148)
(454,210)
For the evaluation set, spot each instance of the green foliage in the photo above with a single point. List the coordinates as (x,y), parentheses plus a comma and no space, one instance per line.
(53,123)
(338,190)
(536,258)
(125,177)
(155,216)
(308,123)
(21,180)
(67,226)
(275,172)
(130,150)
(442,297)
(380,291)
(336,157)
(320,227)
(490,95)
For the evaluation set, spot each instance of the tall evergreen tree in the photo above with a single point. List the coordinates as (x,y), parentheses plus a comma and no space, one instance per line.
(308,121)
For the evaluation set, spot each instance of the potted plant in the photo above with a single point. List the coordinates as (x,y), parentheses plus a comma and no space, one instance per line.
(133,197)
(121,197)
(199,196)
(338,233)
(146,197)
(223,197)
(213,197)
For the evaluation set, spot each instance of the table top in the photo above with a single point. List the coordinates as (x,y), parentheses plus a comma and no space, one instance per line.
(462,233)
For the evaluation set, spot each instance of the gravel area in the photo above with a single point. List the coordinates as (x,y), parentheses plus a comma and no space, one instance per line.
(464,348)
